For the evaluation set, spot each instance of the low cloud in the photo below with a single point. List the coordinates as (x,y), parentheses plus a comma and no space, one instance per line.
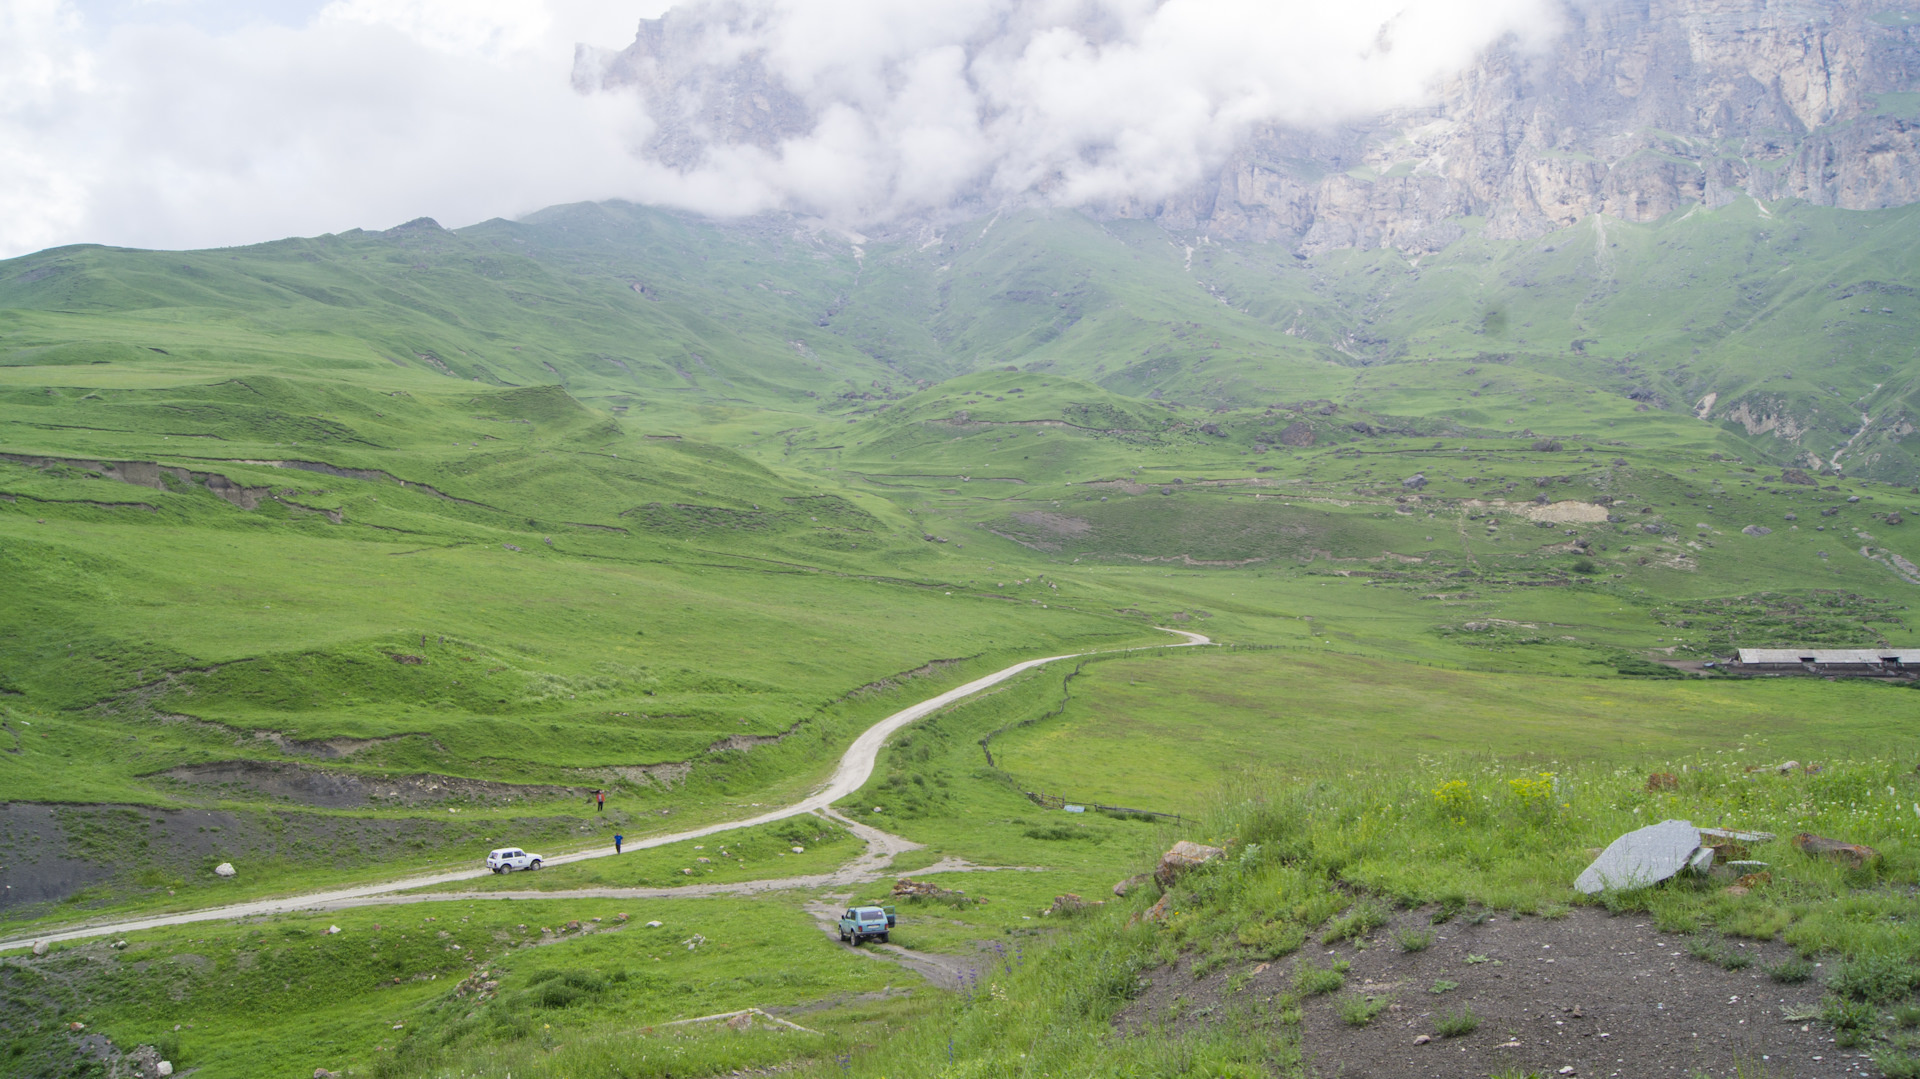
(174,132)
(865,109)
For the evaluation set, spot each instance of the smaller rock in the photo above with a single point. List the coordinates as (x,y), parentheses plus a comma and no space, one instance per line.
(1158,912)
(1568,1070)
(703,861)
(76,1026)
(1422,1039)
(224,869)
(39,947)
(1067,904)
(1126,887)
(1757,530)
(1183,856)
(322,1073)
(743,1021)
(654,925)
(1786,768)
(332,929)
(163,1069)
(799,850)
(118,944)
(1851,855)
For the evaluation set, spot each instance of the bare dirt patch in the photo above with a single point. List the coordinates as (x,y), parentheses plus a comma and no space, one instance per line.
(1056,524)
(1602,995)
(333,789)
(52,852)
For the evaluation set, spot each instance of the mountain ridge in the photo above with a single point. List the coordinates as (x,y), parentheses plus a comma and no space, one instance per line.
(1634,110)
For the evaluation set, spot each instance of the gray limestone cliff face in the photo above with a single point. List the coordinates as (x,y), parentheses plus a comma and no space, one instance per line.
(698,96)
(1639,108)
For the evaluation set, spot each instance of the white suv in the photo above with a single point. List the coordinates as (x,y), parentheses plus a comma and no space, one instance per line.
(508,859)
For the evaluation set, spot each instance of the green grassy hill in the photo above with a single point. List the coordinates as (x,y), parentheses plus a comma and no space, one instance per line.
(337,556)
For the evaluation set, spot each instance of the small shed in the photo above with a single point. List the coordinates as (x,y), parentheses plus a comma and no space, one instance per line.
(1831,660)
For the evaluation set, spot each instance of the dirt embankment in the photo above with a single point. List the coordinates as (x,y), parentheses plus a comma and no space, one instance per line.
(154,475)
(1587,994)
(51,852)
(334,789)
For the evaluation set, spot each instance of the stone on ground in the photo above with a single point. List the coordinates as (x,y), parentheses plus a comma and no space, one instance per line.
(1851,855)
(1183,856)
(224,869)
(1067,904)
(1642,857)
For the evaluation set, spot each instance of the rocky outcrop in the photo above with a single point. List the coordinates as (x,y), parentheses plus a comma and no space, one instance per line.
(1637,109)
(1181,858)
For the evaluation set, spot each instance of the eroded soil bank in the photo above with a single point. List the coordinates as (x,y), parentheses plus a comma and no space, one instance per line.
(1603,995)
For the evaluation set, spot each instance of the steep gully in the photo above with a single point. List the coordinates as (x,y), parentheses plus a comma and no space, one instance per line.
(856,766)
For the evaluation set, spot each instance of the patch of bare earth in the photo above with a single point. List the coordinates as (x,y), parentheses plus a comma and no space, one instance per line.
(1605,996)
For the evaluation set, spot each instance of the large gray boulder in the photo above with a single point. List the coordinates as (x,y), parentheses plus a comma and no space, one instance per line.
(1642,857)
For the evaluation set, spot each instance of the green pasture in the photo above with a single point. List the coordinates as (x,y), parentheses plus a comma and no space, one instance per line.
(1168,731)
(284,995)
(1326,858)
(547,504)
(758,853)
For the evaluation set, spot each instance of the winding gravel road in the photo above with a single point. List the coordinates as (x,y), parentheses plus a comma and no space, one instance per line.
(856,765)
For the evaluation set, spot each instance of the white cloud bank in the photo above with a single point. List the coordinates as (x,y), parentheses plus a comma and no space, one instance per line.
(173,132)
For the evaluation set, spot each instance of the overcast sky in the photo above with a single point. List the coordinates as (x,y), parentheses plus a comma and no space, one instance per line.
(197,123)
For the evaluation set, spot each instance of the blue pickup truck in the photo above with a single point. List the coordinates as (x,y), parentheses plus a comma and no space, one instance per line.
(860,924)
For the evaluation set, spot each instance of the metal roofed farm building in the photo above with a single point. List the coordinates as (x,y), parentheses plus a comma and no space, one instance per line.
(1831,660)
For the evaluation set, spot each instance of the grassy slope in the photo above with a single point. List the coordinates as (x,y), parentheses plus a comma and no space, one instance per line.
(775,469)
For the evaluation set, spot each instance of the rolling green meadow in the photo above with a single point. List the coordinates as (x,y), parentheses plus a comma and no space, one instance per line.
(351,557)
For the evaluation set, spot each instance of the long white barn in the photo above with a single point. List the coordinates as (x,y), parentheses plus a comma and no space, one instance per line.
(1868,658)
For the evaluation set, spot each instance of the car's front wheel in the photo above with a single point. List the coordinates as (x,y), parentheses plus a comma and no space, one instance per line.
(535,864)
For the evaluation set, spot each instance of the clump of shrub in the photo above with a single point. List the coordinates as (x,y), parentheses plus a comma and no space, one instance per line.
(1875,978)
(1357,1011)
(1310,981)
(1060,833)
(1364,918)
(1454,799)
(1457,1024)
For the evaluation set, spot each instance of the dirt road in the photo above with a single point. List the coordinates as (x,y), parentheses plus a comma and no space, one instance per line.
(856,766)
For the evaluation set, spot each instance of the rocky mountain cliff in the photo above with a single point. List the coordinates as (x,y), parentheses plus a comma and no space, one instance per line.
(1638,108)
